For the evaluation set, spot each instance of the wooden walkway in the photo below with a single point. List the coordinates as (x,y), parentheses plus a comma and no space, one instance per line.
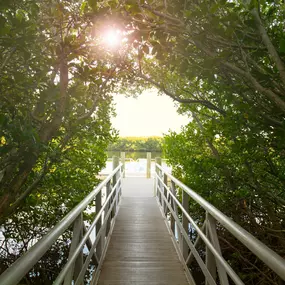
(141,251)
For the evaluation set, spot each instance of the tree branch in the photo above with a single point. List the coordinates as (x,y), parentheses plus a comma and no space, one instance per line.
(247,75)
(95,98)
(267,42)
(205,103)
(7,58)
(162,15)
(246,260)
(28,191)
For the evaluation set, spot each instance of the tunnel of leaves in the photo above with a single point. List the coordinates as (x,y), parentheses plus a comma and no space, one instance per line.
(221,61)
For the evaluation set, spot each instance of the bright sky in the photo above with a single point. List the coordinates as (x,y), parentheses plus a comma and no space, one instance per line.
(146,115)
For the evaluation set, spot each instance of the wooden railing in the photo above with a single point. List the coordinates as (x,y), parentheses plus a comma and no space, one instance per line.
(214,267)
(107,196)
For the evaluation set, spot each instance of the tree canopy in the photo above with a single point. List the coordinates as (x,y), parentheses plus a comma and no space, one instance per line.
(143,144)
(222,60)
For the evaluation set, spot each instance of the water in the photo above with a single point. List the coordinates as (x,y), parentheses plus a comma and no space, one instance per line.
(135,168)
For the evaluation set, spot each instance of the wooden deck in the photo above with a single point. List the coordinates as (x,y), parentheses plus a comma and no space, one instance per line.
(141,251)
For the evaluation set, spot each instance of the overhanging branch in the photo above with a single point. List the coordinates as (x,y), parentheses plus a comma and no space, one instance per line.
(205,103)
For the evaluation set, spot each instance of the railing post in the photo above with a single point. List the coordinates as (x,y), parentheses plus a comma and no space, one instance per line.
(116,162)
(158,161)
(148,165)
(79,259)
(210,258)
(185,224)
(108,222)
(98,200)
(157,171)
(118,188)
(165,194)
(123,161)
(211,226)
(77,234)
(172,220)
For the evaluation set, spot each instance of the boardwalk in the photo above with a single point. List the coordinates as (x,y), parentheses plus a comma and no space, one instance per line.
(141,250)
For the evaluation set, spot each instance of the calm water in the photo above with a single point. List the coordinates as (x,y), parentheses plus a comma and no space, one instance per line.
(136,163)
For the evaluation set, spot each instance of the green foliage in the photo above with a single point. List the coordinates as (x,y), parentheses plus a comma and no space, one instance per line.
(54,124)
(151,144)
(55,88)
(222,60)
(245,180)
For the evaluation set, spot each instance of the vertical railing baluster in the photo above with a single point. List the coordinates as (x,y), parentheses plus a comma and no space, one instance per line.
(172,220)
(98,200)
(185,224)
(160,188)
(117,197)
(123,161)
(165,194)
(212,230)
(115,177)
(121,183)
(210,258)
(79,259)
(177,232)
(77,229)
(158,161)
(102,238)
(120,175)
(108,222)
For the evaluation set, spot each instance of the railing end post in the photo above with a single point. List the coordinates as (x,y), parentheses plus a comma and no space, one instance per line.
(158,160)
(148,165)
(123,161)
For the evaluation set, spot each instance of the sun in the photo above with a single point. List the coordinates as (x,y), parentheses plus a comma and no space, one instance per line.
(112,38)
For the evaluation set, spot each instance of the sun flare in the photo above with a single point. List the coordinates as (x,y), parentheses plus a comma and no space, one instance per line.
(112,38)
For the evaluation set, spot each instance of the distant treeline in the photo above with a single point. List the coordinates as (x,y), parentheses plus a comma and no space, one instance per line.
(152,144)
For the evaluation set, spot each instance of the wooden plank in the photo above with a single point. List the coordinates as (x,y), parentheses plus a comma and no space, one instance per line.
(137,187)
(141,250)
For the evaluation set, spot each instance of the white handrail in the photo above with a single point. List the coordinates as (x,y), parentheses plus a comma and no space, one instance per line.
(263,252)
(21,266)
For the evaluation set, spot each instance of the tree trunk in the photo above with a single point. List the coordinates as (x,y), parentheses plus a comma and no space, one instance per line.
(12,188)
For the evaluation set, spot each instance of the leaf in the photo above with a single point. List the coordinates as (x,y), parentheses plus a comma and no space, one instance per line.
(214,8)
(5,30)
(282,45)
(83,7)
(2,119)
(93,5)
(133,8)
(2,21)
(20,15)
(253,4)
(113,3)
(145,49)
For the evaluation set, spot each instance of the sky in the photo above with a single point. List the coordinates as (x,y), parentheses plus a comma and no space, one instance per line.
(146,115)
